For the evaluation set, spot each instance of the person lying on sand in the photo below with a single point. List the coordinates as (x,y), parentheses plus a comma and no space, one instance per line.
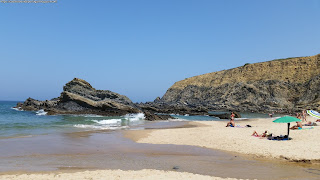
(265,134)
(231,123)
(309,123)
(298,126)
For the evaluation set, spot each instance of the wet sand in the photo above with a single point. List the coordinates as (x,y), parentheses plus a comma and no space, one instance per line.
(105,152)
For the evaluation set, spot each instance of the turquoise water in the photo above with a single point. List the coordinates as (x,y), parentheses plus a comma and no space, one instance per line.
(195,118)
(258,115)
(14,123)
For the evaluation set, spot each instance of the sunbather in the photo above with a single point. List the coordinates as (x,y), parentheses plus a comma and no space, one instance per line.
(265,134)
(298,126)
(309,123)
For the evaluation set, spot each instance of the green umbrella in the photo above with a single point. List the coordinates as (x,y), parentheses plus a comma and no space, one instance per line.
(287,119)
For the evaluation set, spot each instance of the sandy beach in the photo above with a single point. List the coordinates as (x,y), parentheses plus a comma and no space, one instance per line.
(112,174)
(304,145)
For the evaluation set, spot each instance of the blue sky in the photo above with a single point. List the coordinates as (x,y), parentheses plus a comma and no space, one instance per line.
(139,48)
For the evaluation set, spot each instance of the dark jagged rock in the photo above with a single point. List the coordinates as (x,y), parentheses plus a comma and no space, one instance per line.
(79,97)
(152,117)
(226,115)
(173,108)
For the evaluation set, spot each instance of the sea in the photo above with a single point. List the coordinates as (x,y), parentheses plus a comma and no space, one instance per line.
(15,123)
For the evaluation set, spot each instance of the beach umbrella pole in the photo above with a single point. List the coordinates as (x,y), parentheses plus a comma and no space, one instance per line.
(288,129)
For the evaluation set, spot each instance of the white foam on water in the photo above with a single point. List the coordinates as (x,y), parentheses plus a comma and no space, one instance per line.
(186,115)
(17,109)
(99,127)
(85,115)
(92,115)
(108,121)
(112,124)
(239,119)
(135,117)
(178,120)
(41,112)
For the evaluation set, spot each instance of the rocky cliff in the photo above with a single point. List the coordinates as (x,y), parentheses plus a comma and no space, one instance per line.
(79,97)
(284,84)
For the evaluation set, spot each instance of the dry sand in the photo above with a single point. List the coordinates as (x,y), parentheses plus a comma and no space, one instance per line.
(111,174)
(305,144)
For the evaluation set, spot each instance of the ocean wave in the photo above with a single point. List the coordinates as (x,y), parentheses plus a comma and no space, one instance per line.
(178,120)
(108,121)
(17,109)
(85,115)
(92,115)
(41,112)
(84,126)
(135,117)
(239,119)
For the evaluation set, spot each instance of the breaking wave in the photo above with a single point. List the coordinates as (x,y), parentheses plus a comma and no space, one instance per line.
(99,127)
(135,117)
(108,121)
(17,109)
(122,122)
(41,112)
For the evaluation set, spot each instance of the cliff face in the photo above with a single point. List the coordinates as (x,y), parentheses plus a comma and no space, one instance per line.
(292,83)
(79,97)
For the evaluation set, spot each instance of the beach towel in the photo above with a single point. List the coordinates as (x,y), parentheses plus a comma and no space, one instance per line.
(279,138)
(313,124)
(299,128)
(305,128)
(238,126)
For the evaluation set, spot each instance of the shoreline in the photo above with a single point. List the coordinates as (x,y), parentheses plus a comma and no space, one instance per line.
(303,148)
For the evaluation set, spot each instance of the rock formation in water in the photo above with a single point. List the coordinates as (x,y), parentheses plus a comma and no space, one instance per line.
(79,97)
(288,84)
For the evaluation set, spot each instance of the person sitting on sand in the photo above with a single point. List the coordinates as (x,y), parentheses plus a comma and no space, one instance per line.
(298,126)
(265,134)
(231,123)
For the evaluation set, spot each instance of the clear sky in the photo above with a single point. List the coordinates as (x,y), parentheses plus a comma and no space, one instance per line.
(139,48)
